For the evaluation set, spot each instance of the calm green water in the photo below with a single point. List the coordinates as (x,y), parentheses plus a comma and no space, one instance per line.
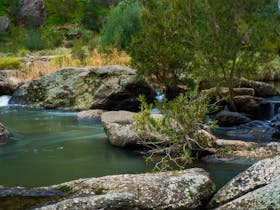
(51,147)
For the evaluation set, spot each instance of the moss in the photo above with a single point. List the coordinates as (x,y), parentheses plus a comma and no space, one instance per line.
(98,191)
(65,188)
(9,63)
(191,194)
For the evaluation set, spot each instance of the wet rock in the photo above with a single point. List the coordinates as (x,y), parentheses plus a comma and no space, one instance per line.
(186,189)
(262,89)
(264,198)
(32,13)
(256,108)
(118,128)
(227,118)
(236,144)
(4,24)
(106,87)
(9,85)
(90,115)
(262,173)
(4,135)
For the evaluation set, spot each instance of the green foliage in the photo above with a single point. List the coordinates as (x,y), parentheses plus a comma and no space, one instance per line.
(9,63)
(92,15)
(174,137)
(62,12)
(4,4)
(99,191)
(65,188)
(14,11)
(162,48)
(212,39)
(35,40)
(78,51)
(123,22)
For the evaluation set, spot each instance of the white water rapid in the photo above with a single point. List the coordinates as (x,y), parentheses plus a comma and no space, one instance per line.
(4,100)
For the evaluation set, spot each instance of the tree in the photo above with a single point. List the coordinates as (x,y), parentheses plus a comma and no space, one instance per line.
(233,37)
(161,48)
(213,39)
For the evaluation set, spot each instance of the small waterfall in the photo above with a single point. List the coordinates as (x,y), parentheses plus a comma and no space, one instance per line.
(4,101)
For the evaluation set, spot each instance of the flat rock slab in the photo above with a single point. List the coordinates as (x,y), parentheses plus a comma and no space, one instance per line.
(178,189)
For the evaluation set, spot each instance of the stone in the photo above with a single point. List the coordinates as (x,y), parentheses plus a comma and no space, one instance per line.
(254,107)
(228,118)
(118,128)
(32,13)
(223,92)
(262,89)
(264,198)
(4,24)
(261,173)
(90,115)
(106,87)
(186,189)
(9,85)
(4,135)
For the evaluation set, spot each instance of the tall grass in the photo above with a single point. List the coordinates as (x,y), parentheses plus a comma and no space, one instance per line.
(94,58)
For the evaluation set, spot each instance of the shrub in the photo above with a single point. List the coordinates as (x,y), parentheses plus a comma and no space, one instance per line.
(123,22)
(173,138)
(35,40)
(9,63)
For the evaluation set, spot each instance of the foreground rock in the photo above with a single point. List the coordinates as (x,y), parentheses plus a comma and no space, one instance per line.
(118,128)
(166,190)
(264,198)
(262,89)
(4,135)
(9,85)
(227,118)
(107,88)
(262,173)
(32,13)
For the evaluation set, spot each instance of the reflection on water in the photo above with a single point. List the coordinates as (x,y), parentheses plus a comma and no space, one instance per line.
(50,147)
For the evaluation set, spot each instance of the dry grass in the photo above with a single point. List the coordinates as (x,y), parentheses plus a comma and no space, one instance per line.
(95,58)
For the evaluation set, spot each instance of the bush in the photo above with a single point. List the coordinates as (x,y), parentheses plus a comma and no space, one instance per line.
(9,63)
(173,138)
(123,22)
(35,40)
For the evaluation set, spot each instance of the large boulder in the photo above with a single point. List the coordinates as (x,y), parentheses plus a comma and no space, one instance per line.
(166,190)
(262,173)
(264,198)
(4,135)
(227,118)
(9,85)
(262,89)
(118,126)
(4,24)
(32,13)
(106,87)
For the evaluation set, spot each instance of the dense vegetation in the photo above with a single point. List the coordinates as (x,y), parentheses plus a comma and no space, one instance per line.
(174,43)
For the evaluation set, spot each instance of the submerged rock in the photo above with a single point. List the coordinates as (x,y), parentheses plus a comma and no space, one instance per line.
(4,135)
(166,190)
(106,87)
(262,173)
(90,115)
(227,118)
(264,198)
